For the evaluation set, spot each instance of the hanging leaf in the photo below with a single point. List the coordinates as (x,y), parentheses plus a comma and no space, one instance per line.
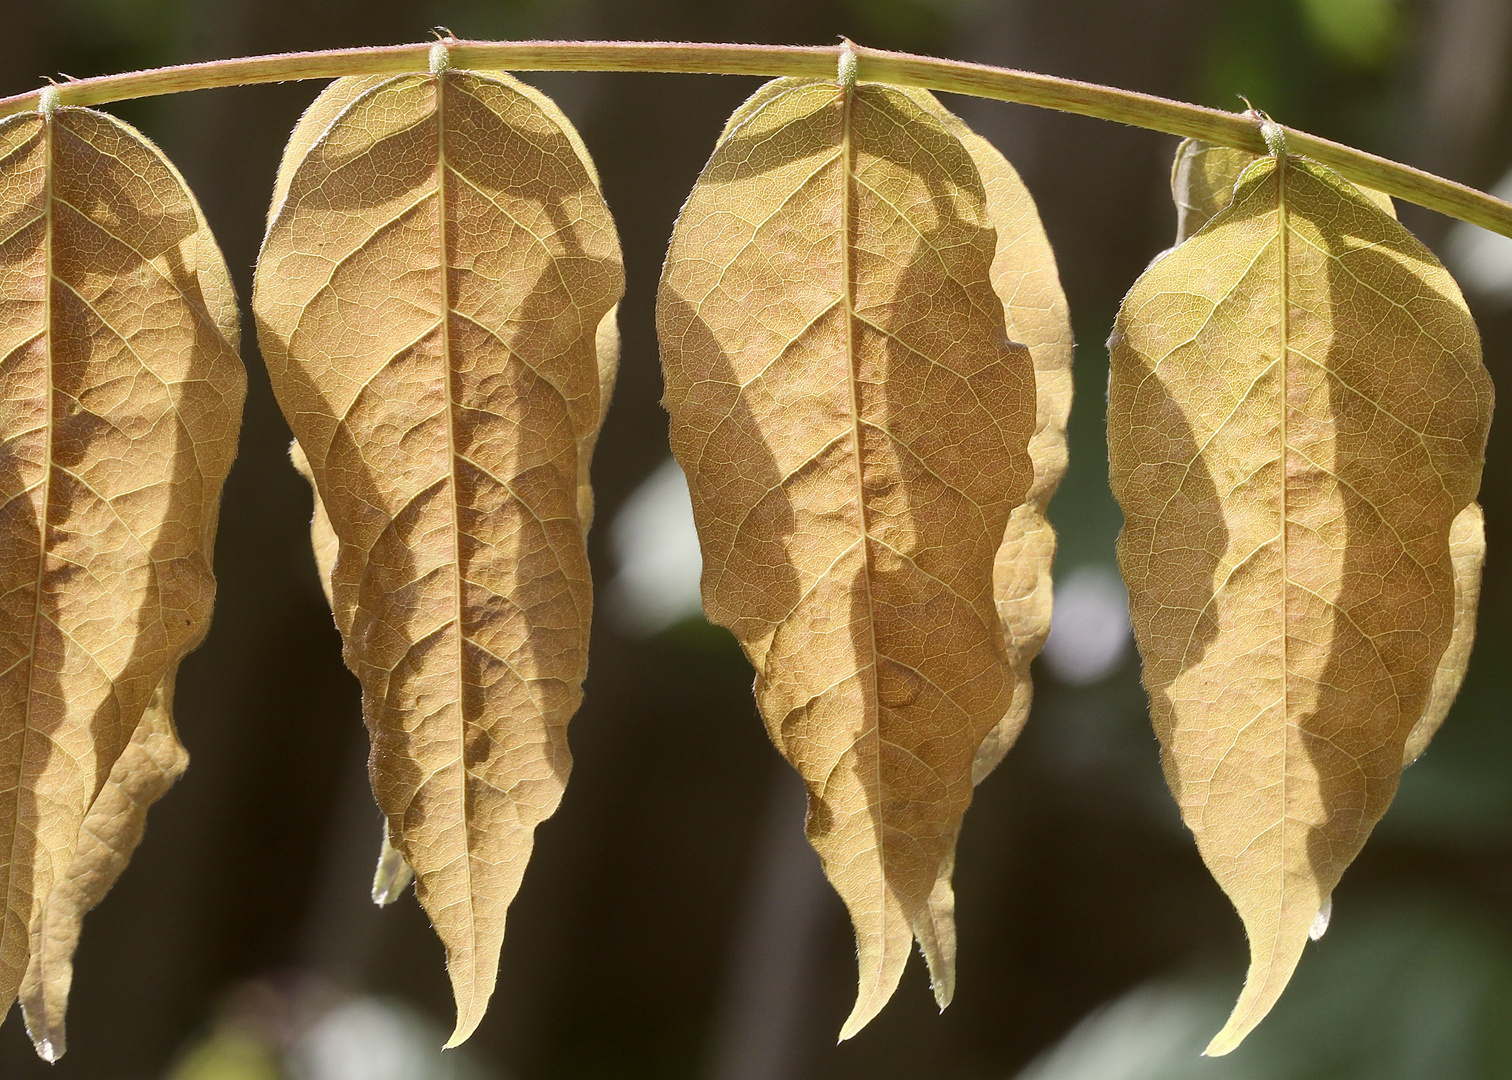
(438,264)
(1297,417)
(393,875)
(854,425)
(1202,183)
(121,400)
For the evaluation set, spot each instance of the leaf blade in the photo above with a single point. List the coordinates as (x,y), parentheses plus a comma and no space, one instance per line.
(445,437)
(1203,178)
(122,391)
(1265,373)
(794,311)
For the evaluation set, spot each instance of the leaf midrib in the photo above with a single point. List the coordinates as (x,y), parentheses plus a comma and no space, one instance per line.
(848,294)
(42,518)
(442,219)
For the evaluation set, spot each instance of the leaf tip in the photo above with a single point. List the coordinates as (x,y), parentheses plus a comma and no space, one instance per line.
(1319,925)
(46,1038)
(1269,973)
(1244,1019)
(875,991)
(467,1023)
(935,932)
(44,1025)
(392,876)
(871,996)
(1226,1040)
(944,992)
(472,979)
(857,1020)
(882,953)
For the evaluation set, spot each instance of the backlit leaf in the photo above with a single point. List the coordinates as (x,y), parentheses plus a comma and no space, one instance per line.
(1202,183)
(1034,308)
(853,422)
(393,875)
(1297,416)
(438,266)
(120,399)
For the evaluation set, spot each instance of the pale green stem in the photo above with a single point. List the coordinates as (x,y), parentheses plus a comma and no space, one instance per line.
(1238,130)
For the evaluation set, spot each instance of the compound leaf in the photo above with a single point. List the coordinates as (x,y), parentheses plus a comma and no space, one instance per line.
(120,400)
(854,422)
(1297,419)
(438,264)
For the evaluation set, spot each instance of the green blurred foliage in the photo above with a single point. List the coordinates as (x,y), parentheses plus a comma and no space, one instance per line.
(1409,987)
(1364,33)
(230,1053)
(1328,66)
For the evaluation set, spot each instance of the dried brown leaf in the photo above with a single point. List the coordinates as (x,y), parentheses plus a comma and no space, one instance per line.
(444,416)
(143,773)
(1034,307)
(393,875)
(121,393)
(1203,177)
(854,421)
(1297,415)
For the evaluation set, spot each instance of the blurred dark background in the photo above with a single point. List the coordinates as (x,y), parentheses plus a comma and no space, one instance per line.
(672,923)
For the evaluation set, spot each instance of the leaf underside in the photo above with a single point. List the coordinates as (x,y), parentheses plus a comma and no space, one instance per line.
(1297,423)
(854,423)
(120,399)
(433,297)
